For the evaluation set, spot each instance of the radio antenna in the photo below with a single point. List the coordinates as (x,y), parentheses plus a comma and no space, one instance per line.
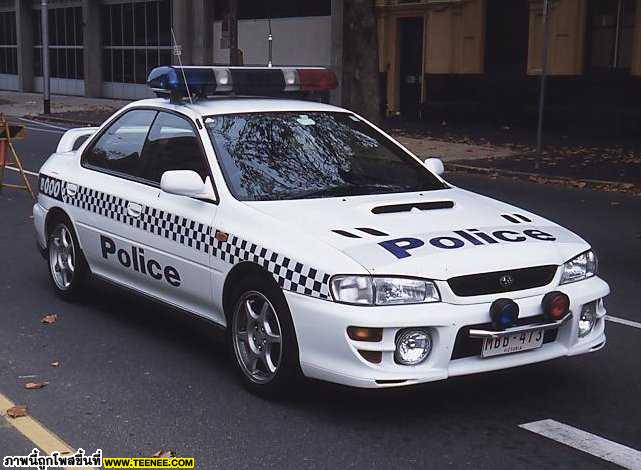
(178,52)
(270,38)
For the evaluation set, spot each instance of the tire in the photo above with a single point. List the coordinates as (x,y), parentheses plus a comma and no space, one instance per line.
(262,339)
(68,269)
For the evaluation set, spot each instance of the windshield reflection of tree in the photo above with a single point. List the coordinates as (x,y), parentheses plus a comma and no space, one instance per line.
(277,154)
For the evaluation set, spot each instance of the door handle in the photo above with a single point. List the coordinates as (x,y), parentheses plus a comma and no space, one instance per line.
(134,210)
(72,189)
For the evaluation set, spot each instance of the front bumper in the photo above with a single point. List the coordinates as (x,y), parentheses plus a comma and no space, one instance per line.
(327,353)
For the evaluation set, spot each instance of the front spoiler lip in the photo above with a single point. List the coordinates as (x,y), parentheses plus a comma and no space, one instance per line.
(474,333)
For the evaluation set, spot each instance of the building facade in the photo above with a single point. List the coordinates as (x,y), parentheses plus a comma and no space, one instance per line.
(436,57)
(485,56)
(106,48)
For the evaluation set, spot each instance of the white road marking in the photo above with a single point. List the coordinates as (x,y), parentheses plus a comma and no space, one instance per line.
(623,321)
(50,131)
(26,171)
(592,444)
(46,124)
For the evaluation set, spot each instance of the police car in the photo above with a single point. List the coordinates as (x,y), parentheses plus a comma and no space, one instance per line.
(322,245)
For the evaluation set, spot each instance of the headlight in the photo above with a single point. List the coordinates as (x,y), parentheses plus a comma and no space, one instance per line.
(579,268)
(368,290)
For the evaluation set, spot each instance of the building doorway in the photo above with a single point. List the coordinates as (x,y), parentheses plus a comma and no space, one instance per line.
(410,32)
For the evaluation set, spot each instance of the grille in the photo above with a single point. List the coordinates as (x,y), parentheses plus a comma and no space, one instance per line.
(498,281)
(464,346)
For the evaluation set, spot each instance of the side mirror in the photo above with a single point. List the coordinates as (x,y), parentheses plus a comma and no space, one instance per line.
(435,165)
(187,183)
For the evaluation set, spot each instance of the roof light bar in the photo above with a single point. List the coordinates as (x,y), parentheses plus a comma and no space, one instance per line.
(207,81)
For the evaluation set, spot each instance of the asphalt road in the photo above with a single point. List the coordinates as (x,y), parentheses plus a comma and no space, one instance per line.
(135,377)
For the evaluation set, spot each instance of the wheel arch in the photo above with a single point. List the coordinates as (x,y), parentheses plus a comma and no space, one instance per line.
(238,272)
(56,214)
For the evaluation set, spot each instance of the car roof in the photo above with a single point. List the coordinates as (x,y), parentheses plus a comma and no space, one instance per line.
(233,105)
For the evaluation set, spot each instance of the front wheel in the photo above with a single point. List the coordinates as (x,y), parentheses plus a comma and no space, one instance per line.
(67,267)
(263,339)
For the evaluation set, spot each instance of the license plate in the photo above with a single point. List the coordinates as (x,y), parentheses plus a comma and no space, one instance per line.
(512,343)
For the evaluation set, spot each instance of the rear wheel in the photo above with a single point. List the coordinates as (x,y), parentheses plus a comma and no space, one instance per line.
(263,339)
(67,266)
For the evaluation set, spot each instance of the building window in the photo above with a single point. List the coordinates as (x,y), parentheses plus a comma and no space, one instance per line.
(8,43)
(611,31)
(280,9)
(136,38)
(65,43)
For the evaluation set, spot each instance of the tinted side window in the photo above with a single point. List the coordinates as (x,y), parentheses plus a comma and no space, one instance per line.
(120,148)
(172,144)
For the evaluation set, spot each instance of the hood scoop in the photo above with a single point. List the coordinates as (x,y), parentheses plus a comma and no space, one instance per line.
(369,231)
(408,207)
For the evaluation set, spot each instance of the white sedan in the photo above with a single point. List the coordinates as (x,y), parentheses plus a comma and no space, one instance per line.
(323,246)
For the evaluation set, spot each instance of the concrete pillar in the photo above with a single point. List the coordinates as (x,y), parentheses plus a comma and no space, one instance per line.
(183,25)
(336,96)
(203,32)
(24,29)
(92,52)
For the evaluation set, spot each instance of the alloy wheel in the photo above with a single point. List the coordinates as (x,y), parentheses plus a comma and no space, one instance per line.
(62,257)
(257,337)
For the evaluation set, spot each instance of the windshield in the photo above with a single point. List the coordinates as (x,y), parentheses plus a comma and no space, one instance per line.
(300,155)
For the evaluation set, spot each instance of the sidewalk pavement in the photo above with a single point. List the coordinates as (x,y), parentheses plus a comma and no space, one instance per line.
(596,167)
(17,104)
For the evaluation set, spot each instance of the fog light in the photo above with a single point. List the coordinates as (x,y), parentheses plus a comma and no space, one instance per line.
(587,320)
(504,313)
(555,305)
(412,346)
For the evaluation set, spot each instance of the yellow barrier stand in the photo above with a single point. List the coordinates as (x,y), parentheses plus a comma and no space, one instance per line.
(8,134)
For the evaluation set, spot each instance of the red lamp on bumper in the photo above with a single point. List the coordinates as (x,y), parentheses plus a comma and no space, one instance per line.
(555,305)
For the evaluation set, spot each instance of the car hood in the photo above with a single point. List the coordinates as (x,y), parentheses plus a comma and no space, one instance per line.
(434,234)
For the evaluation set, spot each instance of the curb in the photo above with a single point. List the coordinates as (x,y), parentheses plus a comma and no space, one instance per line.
(580,183)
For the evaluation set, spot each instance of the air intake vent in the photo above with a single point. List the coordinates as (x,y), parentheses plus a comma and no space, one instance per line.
(423,206)
(346,233)
(372,231)
(515,218)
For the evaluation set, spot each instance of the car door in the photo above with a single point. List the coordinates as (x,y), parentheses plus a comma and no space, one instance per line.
(130,231)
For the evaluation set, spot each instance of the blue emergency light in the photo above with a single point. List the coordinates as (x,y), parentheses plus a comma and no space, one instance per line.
(202,81)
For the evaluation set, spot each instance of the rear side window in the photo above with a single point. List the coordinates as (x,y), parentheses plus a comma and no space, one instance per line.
(119,149)
(172,144)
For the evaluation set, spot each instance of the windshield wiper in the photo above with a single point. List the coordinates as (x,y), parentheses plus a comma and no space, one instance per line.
(342,190)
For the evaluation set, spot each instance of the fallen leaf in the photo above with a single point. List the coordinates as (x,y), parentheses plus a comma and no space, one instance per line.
(35,385)
(164,454)
(49,319)
(17,411)
(55,364)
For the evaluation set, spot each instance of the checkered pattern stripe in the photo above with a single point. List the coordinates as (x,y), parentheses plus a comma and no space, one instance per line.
(176,228)
(100,203)
(289,274)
